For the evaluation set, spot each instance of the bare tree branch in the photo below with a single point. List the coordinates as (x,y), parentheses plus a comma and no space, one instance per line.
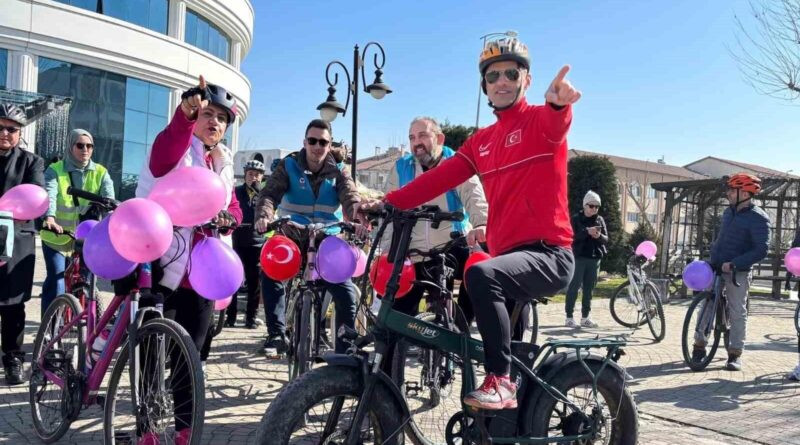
(768,49)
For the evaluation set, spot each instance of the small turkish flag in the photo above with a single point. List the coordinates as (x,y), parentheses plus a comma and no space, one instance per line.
(514,138)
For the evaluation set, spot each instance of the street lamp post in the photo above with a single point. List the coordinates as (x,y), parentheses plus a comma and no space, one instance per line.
(329,109)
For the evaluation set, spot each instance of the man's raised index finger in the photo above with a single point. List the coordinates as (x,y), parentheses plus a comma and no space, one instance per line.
(562,73)
(202,82)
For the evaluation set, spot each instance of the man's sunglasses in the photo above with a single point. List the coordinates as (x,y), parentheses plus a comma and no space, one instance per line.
(511,74)
(9,130)
(593,206)
(81,146)
(314,141)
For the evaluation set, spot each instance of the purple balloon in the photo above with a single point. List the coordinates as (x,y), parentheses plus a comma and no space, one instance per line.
(698,275)
(100,256)
(335,260)
(216,271)
(83,229)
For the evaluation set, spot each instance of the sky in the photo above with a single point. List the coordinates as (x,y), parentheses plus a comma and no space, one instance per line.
(657,77)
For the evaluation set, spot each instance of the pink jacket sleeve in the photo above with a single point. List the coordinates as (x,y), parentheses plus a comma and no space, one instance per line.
(171,144)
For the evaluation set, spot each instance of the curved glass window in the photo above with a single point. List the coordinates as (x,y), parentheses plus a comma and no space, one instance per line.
(150,14)
(204,35)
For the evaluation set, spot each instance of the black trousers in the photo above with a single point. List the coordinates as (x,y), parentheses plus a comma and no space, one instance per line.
(525,272)
(250,257)
(193,313)
(12,328)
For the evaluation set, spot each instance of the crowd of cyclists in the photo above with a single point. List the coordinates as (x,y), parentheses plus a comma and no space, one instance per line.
(509,179)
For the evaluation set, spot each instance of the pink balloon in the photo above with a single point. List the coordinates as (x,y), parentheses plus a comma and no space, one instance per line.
(140,230)
(25,201)
(216,271)
(792,260)
(222,304)
(361,261)
(647,249)
(190,195)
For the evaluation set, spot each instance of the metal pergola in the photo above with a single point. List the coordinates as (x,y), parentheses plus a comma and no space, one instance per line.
(691,222)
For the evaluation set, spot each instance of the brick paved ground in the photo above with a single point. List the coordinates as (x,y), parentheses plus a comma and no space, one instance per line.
(677,406)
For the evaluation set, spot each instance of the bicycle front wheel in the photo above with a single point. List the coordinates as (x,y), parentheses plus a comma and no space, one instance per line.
(305,322)
(430,381)
(53,409)
(654,312)
(700,310)
(169,384)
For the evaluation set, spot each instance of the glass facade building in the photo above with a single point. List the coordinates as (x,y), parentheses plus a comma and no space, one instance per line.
(123,114)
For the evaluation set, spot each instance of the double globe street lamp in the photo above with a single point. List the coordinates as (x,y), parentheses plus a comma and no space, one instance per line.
(329,109)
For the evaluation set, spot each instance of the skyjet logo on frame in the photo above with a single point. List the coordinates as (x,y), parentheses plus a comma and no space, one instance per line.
(423,330)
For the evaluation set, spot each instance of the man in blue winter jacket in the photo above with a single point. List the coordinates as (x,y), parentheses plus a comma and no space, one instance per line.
(743,241)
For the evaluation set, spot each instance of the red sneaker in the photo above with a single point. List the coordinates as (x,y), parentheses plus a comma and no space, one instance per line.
(149,439)
(497,392)
(182,437)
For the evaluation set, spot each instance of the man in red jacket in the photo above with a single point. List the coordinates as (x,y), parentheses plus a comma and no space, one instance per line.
(522,162)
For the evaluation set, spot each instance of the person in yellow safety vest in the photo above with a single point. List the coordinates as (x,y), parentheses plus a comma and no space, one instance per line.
(79,171)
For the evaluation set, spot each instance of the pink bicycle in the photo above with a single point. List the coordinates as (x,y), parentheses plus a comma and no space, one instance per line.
(156,390)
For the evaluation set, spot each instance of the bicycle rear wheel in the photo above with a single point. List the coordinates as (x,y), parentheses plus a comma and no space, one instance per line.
(625,308)
(430,381)
(699,309)
(654,312)
(52,408)
(170,387)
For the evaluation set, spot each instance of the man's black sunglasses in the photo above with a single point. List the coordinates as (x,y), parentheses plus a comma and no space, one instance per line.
(511,74)
(315,141)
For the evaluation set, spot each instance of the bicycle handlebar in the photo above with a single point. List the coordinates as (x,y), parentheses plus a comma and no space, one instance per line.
(427,212)
(286,221)
(107,203)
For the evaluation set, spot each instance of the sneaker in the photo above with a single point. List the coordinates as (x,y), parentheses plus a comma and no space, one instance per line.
(276,344)
(12,365)
(250,324)
(182,437)
(149,439)
(734,363)
(230,322)
(497,392)
(698,354)
(571,323)
(795,375)
(588,323)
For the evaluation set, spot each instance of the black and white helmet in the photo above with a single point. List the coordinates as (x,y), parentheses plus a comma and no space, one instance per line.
(14,113)
(254,164)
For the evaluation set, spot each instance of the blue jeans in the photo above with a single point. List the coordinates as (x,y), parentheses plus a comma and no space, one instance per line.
(274,294)
(55,262)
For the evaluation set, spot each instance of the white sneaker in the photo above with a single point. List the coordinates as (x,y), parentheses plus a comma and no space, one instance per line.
(588,323)
(571,323)
(794,375)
